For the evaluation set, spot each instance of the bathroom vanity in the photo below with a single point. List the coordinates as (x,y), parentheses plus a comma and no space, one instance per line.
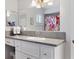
(28,47)
(40,28)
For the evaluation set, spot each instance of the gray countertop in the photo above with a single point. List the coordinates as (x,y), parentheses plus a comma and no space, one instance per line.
(47,41)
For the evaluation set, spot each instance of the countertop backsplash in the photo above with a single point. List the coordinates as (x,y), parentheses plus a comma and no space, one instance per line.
(55,35)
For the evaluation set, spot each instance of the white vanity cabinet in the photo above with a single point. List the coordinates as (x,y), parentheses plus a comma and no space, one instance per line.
(30,50)
(52,52)
(25,50)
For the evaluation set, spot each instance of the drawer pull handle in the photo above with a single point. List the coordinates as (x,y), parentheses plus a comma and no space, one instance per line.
(28,58)
(45,54)
(8,42)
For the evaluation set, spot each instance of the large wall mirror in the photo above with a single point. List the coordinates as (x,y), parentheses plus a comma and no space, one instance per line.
(37,15)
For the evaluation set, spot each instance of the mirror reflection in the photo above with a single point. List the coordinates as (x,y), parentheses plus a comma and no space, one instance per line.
(11,18)
(37,15)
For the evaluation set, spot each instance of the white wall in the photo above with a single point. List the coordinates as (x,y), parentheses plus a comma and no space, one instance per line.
(67,25)
(72,28)
(54,8)
(2,29)
(11,5)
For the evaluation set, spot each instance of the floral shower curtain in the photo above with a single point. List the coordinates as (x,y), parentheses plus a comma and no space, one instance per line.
(52,23)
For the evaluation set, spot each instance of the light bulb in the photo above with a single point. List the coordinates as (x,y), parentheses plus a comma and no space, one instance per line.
(45,1)
(33,3)
(38,6)
(50,3)
(8,13)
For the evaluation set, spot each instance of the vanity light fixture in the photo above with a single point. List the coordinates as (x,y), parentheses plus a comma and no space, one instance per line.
(41,3)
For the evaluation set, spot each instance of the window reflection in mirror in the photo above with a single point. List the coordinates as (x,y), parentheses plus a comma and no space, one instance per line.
(11,18)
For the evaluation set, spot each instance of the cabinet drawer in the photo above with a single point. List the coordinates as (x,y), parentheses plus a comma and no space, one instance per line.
(10,42)
(30,48)
(46,52)
(20,55)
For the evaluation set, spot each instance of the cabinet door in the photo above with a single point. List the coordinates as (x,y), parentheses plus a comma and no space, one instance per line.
(18,45)
(47,52)
(18,55)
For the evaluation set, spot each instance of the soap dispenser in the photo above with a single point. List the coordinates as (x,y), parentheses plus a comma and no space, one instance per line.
(18,30)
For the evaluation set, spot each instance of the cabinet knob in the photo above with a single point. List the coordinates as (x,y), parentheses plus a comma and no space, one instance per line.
(28,58)
(73,41)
